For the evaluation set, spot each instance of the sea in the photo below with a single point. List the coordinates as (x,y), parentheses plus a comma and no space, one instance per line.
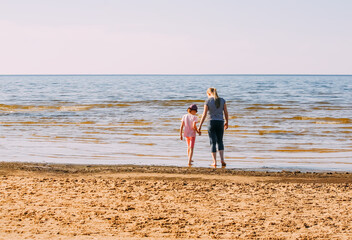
(276,122)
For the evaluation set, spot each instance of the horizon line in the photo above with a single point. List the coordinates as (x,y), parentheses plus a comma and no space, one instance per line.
(180,74)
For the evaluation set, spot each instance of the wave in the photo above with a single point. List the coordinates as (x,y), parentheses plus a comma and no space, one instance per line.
(316,150)
(262,132)
(46,123)
(40,108)
(10,108)
(267,108)
(62,108)
(136,122)
(326,120)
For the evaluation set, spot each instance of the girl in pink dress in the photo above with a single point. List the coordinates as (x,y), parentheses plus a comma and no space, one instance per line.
(189,123)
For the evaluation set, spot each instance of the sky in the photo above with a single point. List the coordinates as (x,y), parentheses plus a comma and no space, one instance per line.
(175,37)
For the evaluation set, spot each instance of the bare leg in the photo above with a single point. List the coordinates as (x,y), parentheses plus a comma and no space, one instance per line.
(190,155)
(222,157)
(213,154)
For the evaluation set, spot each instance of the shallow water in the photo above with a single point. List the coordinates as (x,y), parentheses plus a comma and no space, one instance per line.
(276,122)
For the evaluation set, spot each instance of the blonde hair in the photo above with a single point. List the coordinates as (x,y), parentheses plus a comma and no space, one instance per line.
(213,92)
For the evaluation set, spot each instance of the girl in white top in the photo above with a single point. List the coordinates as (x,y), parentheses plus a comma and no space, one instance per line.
(189,123)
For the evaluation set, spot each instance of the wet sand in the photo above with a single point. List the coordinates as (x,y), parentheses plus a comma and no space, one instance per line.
(148,202)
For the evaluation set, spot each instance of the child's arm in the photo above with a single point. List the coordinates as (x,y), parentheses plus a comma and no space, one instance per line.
(195,127)
(181,130)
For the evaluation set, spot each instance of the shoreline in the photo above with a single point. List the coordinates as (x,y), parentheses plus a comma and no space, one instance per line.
(62,201)
(323,176)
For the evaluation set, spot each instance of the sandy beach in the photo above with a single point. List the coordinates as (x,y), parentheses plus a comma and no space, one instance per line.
(149,202)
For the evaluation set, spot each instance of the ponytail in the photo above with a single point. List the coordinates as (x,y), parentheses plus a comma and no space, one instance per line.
(216,96)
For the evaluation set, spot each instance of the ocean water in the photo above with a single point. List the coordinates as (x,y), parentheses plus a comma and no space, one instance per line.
(276,121)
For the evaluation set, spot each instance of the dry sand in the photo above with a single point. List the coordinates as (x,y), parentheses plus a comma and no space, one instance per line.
(140,202)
